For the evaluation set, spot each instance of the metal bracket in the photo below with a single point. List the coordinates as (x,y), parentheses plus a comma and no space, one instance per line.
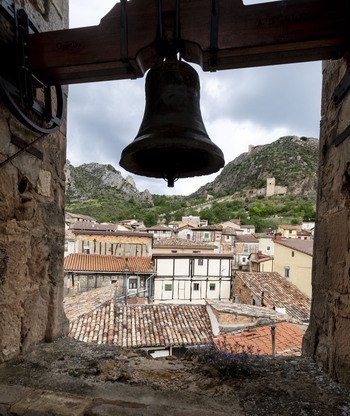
(342,88)
(18,85)
(342,136)
(124,40)
(214,35)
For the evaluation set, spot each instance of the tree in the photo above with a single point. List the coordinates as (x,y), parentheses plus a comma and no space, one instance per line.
(151,218)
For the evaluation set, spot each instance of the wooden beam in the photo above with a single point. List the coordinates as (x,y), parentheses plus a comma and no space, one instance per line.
(235,36)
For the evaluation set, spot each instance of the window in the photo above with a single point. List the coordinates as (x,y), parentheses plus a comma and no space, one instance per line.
(132,283)
(217,236)
(168,287)
(212,286)
(268,248)
(245,249)
(200,262)
(227,237)
(188,236)
(206,235)
(290,231)
(196,251)
(292,253)
(195,286)
(174,251)
(286,271)
(86,251)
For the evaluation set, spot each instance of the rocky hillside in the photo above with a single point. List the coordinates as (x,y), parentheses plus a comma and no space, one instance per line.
(291,160)
(95,181)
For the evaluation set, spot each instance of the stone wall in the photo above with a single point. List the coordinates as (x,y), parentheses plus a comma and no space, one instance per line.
(32,222)
(328,336)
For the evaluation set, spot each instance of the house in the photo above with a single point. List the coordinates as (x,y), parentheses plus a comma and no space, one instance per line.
(304,235)
(181,245)
(248,229)
(261,262)
(185,230)
(159,329)
(209,234)
(273,291)
(83,272)
(266,243)
(221,236)
(118,243)
(193,277)
(71,219)
(288,339)
(293,260)
(245,246)
(160,231)
(289,231)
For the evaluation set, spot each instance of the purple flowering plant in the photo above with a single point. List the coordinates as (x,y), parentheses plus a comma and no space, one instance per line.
(233,360)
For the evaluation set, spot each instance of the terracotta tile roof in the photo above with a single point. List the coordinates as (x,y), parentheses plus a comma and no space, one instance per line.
(144,325)
(180,242)
(263,235)
(290,227)
(246,238)
(217,227)
(78,305)
(88,226)
(247,226)
(107,263)
(278,292)
(160,228)
(304,246)
(114,233)
(288,339)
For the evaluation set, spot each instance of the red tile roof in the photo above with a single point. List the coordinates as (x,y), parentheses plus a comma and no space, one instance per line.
(107,263)
(181,242)
(278,292)
(140,326)
(288,339)
(78,305)
(246,238)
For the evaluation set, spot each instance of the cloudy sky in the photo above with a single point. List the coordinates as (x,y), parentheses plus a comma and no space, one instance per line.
(239,107)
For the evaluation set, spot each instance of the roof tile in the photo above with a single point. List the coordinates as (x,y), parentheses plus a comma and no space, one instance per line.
(278,292)
(107,263)
(288,339)
(139,326)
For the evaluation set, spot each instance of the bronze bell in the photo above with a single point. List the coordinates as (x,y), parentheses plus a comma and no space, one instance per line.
(172,141)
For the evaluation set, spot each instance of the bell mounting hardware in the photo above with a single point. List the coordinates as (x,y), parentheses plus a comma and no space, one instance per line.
(30,99)
(137,35)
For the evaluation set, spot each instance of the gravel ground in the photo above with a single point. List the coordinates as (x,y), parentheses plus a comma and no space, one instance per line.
(278,386)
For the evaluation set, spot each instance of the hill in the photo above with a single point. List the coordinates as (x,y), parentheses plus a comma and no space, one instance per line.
(239,190)
(291,160)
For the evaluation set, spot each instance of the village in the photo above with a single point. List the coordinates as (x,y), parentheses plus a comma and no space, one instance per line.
(170,287)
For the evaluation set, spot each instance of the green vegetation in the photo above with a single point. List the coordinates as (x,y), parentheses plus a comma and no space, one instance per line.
(264,213)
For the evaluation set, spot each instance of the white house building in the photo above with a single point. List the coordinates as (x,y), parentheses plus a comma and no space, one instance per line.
(186,277)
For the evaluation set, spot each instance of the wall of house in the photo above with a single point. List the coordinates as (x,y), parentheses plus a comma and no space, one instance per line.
(328,336)
(300,267)
(84,282)
(240,292)
(32,221)
(185,279)
(114,245)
